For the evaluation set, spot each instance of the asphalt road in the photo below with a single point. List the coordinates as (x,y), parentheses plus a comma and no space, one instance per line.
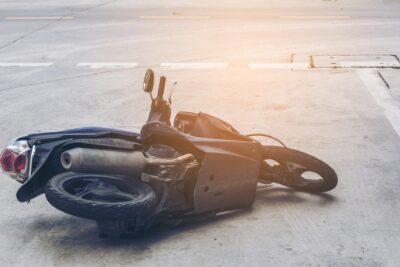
(321,75)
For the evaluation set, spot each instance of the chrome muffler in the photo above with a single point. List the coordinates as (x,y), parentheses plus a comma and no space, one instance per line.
(91,160)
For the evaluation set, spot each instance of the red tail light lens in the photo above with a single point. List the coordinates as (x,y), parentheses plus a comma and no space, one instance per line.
(7,160)
(14,160)
(20,163)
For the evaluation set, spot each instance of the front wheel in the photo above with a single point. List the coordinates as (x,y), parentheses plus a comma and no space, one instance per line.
(297,170)
(100,197)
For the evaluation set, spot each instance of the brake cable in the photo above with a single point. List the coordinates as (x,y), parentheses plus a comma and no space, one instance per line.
(268,136)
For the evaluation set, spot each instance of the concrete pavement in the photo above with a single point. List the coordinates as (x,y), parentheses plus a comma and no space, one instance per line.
(65,64)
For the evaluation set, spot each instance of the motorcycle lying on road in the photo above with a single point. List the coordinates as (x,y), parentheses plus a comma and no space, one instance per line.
(196,168)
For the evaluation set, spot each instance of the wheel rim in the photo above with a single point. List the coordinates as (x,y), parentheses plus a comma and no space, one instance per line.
(296,172)
(291,174)
(100,189)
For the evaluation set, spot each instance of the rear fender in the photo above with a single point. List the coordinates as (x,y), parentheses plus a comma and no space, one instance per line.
(45,161)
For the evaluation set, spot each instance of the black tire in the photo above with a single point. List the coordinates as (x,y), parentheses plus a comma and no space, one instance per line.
(292,164)
(132,198)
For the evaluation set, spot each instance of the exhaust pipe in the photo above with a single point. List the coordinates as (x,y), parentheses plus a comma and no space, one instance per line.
(90,160)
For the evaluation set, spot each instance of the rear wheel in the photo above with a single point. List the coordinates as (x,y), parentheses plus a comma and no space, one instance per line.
(100,197)
(297,170)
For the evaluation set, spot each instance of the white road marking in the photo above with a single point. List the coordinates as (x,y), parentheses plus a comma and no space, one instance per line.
(283,66)
(25,64)
(213,65)
(367,64)
(377,89)
(37,18)
(174,17)
(107,65)
(195,65)
(315,17)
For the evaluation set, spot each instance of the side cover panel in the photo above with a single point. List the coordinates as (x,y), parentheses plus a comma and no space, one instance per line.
(227,180)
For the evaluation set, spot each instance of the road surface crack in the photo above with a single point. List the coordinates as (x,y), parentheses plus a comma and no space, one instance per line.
(30,33)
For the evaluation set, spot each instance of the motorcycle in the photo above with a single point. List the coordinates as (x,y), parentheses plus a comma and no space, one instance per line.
(195,168)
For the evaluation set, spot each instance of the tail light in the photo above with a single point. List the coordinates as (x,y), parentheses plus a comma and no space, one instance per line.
(14,160)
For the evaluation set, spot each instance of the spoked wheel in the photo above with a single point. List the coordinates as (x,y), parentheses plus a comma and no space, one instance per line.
(100,197)
(297,170)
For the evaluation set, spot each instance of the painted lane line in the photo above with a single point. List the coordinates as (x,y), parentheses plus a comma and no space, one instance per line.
(195,65)
(37,18)
(174,17)
(314,17)
(282,66)
(367,64)
(25,64)
(107,65)
(380,93)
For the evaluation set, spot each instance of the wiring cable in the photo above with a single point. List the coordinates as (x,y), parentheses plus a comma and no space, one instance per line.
(268,136)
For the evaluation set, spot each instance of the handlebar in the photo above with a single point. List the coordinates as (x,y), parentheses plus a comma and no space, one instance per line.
(160,108)
(161,87)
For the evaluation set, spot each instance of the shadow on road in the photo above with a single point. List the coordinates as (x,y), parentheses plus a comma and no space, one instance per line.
(271,196)
(67,232)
